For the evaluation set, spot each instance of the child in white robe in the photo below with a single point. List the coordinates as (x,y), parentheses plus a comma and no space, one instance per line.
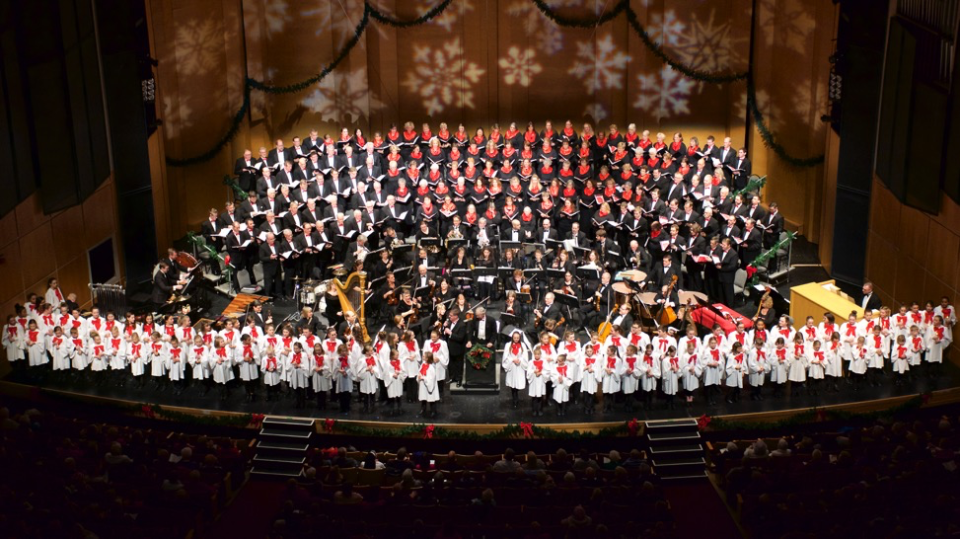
(321,371)
(157,359)
(712,359)
(900,359)
(97,352)
(221,365)
(13,340)
(692,369)
(393,380)
(441,353)
(797,370)
(343,376)
(858,362)
(514,360)
(427,382)
(367,373)
(670,375)
(736,368)
(630,373)
(137,354)
(177,365)
(537,373)
(197,362)
(611,376)
(779,366)
(248,358)
(35,346)
(834,367)
(562,380)
(410,358)
(77,350)
(879,345)
(757,366)
(649,369)
(939,338)
(272,366)
(571,348)
(816,365)
(917,344)
(590,373)
(116,345)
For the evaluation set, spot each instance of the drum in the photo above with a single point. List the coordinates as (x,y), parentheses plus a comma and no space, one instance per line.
(308,298)
(624,292)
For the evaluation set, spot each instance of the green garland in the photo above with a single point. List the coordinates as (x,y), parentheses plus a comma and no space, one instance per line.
(767,136)
(201,243)
(510,431)
(755,184)
(815,415)
(623,6)
(480,356)
(238,192)
(765,256)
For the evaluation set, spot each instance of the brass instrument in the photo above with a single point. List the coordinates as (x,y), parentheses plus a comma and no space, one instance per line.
(351,294)
(454,234)
(397,242)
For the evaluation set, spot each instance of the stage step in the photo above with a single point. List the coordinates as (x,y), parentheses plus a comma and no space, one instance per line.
(676,449)
(702,476)
(679,467)
(673,438)
(282,446)
(672,425)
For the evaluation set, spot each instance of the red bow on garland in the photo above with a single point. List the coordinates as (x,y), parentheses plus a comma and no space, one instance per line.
(527,429)
(703,422)
(328,425)
(633,427)
(147,411)
(751,270)
(256,420)
(428,432)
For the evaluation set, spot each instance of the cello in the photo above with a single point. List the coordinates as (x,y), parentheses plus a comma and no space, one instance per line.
(667,316)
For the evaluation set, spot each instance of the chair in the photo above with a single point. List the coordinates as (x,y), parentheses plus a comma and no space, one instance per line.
(370,477)
(739,283)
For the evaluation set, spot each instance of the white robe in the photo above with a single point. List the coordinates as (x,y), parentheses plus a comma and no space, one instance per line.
(900,359)
(98,356)
(441,355)
(221,365)
(273,369)
(758,366)
(320,372)
(157,358)
(13,342)
(515,365)
(35,349)
(77,350)
(735,370)
(779,365)
(858,360)
(198,362)
(937,344)
(393,378)
(816,363)
(410,358)
(116,348)
(428,390)
(713,366)
(176,366)
(670,375)
(343,375)
(691,369)
(631,371)
(136,354)
(798,363)
(248,362)
(918,345)
(366,370)
(610,372)
(591,373)
(834,367)
(561,382)
(538,372)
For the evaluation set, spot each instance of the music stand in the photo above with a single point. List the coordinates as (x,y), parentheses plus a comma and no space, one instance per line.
(429,242)
(510,245)
(509,320)
(454,243)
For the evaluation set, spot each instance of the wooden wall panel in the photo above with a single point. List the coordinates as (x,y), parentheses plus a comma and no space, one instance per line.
(8,228)
(99,215)
(30,214)
(38,253)
(913,229)
(11,280)
(879,257)
(941,256)
(67,228)
(74,276)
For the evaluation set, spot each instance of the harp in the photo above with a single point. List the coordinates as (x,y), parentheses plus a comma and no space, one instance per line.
(352,295)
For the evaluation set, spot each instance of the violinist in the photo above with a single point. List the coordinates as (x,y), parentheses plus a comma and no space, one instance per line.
(407,307)
(389,294)
(568,285)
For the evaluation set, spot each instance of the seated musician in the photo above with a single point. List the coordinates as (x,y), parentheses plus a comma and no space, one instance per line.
(164,285)
(389,295)
(407,307)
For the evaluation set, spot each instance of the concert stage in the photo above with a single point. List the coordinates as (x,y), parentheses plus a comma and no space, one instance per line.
(494,411)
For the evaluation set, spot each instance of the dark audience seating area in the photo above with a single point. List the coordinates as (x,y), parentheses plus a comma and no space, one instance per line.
(67,477)
(888,479)
(427,495)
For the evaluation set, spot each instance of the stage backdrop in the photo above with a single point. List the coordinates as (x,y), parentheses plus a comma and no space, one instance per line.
(480,62)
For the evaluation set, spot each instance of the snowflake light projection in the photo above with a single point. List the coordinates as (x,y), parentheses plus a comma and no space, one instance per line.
(596,111)
(666,29)
(725,46)
(664,93)
(276,15)
(600,65)
(442,77)
(343,99)
(544,33)
(786,23)
(176,117)
(519,66)
(196,46)
(340,19)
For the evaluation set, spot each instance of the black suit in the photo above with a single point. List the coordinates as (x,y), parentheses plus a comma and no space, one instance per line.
(241,259)
(162,288)
(489,328)
(726,275)
(751,246)
(274,157)
(662,277)
(457,344)
(740,180)
(774,224)
(246,173)
(271,269)
(873,302)
(694,269)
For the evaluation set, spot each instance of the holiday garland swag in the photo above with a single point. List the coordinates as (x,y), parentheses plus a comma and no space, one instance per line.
(622,7)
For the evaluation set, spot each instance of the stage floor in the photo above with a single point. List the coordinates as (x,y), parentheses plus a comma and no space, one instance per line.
(485,409)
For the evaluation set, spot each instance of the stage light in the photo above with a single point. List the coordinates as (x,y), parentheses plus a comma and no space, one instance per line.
(149,89)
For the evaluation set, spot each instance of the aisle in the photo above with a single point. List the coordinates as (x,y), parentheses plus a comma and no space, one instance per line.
(252,512)
(698,510)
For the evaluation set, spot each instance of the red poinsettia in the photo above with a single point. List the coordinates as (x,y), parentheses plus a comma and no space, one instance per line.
(703,422)
(633,427)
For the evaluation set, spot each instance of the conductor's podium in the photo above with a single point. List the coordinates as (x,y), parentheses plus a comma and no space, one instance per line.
(814,299)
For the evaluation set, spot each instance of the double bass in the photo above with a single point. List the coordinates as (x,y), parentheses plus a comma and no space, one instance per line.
(667,316)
